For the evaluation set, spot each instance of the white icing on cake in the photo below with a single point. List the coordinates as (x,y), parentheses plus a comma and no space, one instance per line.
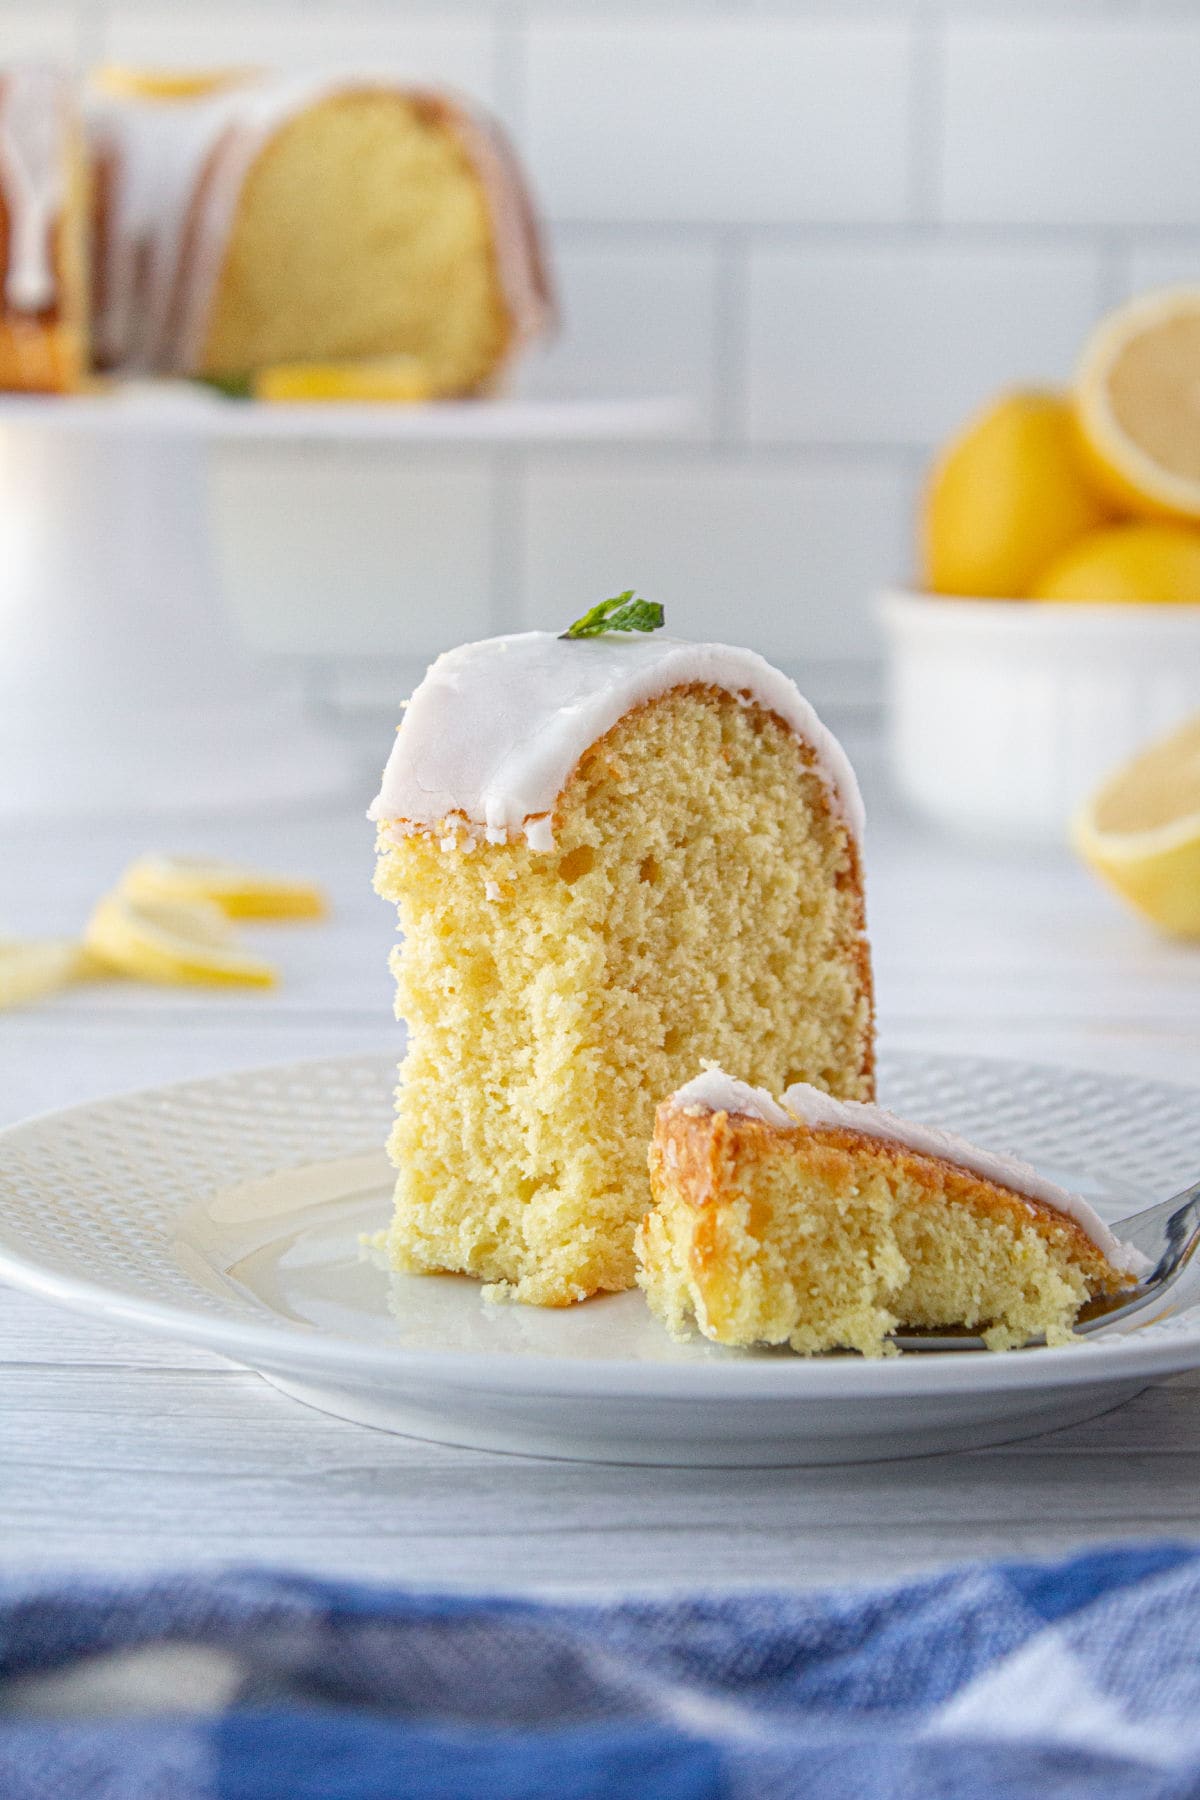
(177,170)
(157,150)
(33,171)
(714,1091)
(496,728)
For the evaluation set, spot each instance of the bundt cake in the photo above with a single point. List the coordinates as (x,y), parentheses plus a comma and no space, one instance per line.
(43,234)
(612,857)
(252,221)
(828,1224)
(216,225)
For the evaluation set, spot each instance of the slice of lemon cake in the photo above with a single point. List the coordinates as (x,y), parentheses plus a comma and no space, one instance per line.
(612,856)
(826,1225)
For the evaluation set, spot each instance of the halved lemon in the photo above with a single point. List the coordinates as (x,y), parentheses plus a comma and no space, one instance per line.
(1137,400)
(1141,832)
(31,967)
(240,893)
(171,941)
(392,378)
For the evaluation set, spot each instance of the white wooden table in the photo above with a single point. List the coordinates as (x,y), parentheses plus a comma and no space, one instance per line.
(123,1453)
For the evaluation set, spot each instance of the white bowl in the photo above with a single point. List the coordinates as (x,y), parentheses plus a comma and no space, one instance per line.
(1006,714)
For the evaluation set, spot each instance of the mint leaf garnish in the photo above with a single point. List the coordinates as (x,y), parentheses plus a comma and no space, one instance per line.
(234,387)
(624,612)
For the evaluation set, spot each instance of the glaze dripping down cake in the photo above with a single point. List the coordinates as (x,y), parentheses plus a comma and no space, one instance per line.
(43,233)
(612,858)
(827,1225)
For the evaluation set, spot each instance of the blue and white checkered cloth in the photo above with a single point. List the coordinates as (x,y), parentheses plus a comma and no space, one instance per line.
(1077,1679)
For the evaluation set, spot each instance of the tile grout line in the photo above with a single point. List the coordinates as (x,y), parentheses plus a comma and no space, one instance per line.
(730,348)
(510,61)
(506,551)
(1012,235)
(794,456)
(1114,272)
(510,66)
(91,35)
(927,64)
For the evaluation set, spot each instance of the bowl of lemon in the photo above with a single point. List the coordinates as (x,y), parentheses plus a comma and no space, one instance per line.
(1054,630)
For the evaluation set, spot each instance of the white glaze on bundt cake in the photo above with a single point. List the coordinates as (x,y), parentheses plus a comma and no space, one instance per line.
(333,217)
(826,1225)
(611,858)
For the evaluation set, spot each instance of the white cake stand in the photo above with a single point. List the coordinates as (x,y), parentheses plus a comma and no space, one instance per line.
(124,686)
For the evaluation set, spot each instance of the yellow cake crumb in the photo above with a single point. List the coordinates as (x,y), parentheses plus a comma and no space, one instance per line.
(823,1239)
(701,899)
(408,257)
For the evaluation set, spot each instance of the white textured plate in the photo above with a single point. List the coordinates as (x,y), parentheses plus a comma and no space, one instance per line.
(229,1213)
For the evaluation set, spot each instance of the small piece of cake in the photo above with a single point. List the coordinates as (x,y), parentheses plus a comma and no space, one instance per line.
(612,857)
(43,234)
(827,1226)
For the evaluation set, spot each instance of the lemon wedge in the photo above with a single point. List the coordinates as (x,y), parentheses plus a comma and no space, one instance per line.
(1141,832)
(240,893)
(31,967)
(171,941)
(1137,399)
(373,378)
(1007,494)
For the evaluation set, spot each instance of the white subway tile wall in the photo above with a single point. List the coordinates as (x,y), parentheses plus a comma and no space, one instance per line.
(777,555)
(637,318)
(39,32)
(1072,122)
(728,120)
(355,550)
(894,344)
(459,49)
(1167,264)
(835,225)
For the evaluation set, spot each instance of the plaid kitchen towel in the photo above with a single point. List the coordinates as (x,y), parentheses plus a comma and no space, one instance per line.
(1077,1679)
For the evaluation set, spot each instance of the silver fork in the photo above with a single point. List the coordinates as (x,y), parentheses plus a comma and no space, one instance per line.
(1168,1234)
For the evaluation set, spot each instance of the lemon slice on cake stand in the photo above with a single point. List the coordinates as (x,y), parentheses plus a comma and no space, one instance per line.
(393,379)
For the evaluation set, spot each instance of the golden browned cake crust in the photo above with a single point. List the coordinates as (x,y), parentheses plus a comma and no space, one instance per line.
(826,1238)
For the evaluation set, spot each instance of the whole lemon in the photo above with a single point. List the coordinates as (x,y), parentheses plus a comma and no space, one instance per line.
(1006,496)
(1143,562)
